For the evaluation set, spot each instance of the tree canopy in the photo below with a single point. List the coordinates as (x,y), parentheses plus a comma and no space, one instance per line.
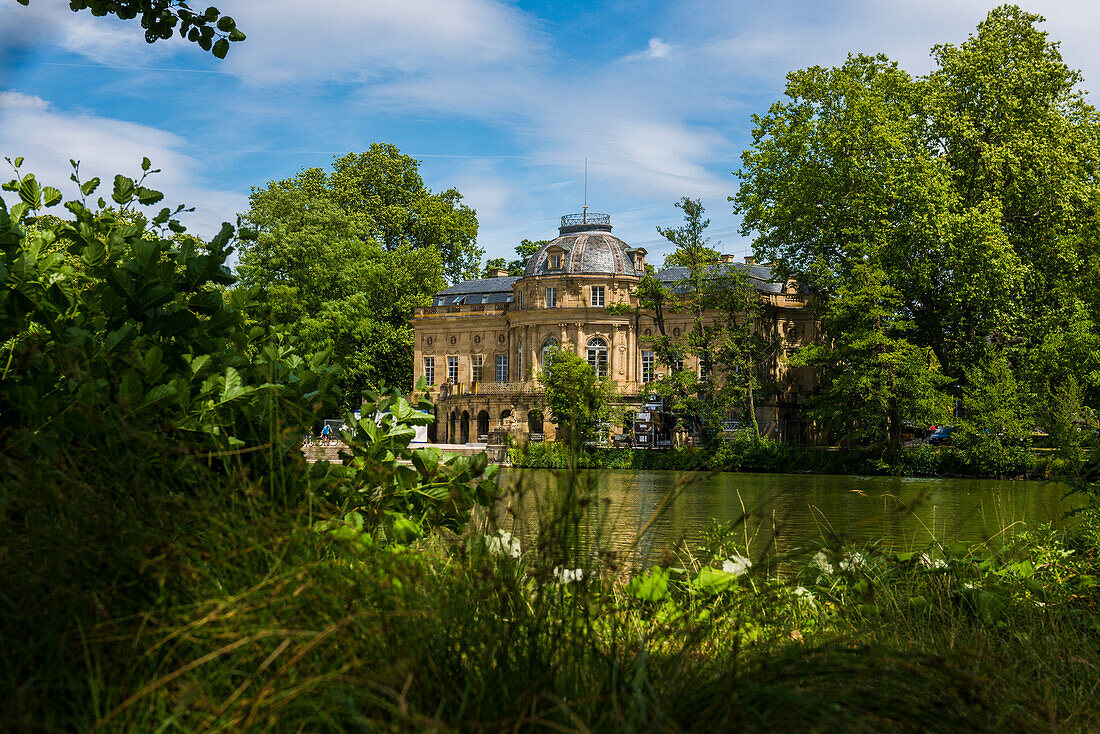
(524,250)
(965,200)
(346,256)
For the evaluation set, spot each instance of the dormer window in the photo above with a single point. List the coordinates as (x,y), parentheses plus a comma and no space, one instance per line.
(555,257)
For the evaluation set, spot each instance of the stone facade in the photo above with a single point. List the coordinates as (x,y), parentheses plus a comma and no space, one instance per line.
(482,342)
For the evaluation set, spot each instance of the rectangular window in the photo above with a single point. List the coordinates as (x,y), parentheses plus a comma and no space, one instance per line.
(502,368)
(476,364)
(555,262)
(452,370)
(429,370)
(597,295)
(519,363)
(678,365)
(647,366)
(551,297)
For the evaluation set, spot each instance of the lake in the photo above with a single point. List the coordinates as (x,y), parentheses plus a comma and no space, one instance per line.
(779,512)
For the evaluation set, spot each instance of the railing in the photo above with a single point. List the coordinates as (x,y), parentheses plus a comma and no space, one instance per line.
(573,220)
(791,299)
(491,309)
(449,390)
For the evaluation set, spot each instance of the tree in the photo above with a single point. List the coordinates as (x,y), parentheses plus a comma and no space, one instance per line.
(383,195)
(524,250)
(727,336)
(872,379)
(211,30)
(996,410)
(313,261)
(972,189)
(579,401)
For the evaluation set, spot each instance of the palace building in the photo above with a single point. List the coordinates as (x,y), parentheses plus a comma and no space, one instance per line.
(481,343)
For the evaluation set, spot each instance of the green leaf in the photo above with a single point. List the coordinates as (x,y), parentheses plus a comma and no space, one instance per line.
(159,392)
(712,581)
(226,24)
(405,530)
(236,35)
(18,160)
(51,196)
(89,186)
(30,191)
(148,196)
(426,460)
(146,164)
(651,586)
(124,190)
(234,386)
(221,48)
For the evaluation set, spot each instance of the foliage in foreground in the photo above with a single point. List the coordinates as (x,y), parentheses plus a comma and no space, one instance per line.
(266,624)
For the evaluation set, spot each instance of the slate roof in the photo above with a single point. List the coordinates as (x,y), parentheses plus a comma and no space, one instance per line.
(759,275)
(473,292)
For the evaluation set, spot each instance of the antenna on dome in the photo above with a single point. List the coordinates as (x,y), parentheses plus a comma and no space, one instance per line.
(585,210)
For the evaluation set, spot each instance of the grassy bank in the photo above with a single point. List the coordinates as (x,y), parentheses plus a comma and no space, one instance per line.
(776,457)
(131,609)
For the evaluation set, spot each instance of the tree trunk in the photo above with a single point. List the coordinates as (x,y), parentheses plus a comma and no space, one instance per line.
(752,413)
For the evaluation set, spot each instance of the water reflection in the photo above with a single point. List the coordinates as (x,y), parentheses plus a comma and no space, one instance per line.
(777,512)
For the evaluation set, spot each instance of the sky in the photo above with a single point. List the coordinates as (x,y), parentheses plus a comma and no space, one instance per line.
(502,100)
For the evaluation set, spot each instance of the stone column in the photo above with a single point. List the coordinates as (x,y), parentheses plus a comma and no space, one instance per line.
(533,347)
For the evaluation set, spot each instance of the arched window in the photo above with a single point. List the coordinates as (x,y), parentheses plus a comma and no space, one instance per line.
(547,347)
(597,356)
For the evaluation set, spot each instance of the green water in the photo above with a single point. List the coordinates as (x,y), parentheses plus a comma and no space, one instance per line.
(778,512)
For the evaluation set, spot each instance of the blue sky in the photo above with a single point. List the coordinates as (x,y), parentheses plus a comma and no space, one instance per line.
(502,100)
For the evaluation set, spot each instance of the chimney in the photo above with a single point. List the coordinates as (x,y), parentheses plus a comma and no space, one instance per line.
(498,273)
(750,260)
(726,258)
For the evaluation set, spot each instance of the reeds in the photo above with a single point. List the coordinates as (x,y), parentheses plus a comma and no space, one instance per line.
(133,606)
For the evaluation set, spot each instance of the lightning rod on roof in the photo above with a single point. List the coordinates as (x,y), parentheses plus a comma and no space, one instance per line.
(585,210)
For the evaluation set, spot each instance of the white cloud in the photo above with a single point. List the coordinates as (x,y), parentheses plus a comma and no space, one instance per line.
(657,49)
(103,40)
(47,139)
(349,40)
(16,101)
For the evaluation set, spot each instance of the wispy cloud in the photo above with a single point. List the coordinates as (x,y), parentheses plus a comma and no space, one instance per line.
(47,138)
(661,107)
(348,40)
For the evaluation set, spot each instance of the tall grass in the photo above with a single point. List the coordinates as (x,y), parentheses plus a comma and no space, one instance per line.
(137,598)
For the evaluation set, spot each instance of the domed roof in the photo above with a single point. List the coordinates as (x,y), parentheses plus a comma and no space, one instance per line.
(588,246)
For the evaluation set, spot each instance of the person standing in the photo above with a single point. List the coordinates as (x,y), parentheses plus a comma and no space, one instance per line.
(325,433)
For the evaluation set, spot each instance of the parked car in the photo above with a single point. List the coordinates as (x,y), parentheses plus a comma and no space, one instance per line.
(941,436)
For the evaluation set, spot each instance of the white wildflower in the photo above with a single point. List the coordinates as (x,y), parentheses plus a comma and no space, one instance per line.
(567,576)
(852,561)
(804,594)
(822,562)
(503,544)
(927,561)
(737,565)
